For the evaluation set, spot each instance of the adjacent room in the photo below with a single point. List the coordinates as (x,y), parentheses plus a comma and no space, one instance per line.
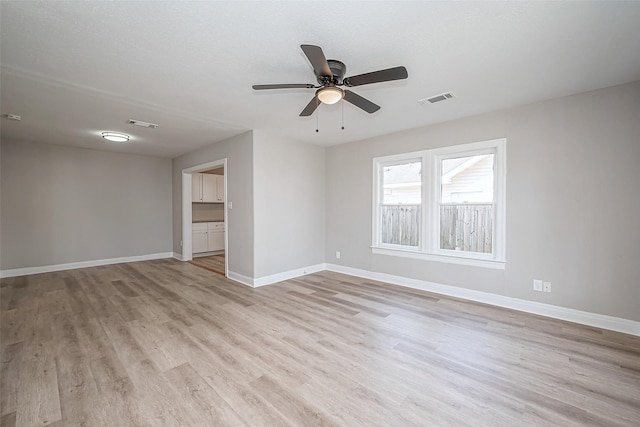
(299,213)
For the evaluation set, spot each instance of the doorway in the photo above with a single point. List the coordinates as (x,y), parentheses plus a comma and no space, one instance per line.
(205,213)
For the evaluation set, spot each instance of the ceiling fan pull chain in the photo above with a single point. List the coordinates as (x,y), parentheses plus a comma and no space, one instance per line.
(342,113)
(317,114)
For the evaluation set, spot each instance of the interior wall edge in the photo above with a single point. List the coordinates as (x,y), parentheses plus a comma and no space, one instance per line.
(240,278)
(286,275)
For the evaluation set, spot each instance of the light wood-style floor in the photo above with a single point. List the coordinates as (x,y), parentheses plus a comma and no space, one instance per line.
(213,263)
(168,343)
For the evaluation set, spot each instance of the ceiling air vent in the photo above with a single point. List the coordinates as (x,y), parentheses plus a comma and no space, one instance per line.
(436,98)
(12,117)
(142,124)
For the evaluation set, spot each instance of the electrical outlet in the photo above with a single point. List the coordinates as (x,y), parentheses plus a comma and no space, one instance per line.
(337,254)
(546,286)
(537,285)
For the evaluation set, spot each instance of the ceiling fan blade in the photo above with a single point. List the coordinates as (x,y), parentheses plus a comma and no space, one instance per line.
(396,73)
(283,86)
(360,102)
(310,108)
(317,59)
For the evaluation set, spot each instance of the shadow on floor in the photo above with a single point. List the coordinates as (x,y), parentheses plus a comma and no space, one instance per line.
(214,263)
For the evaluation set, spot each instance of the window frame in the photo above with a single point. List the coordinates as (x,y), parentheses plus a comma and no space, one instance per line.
(378,197)
(429,239)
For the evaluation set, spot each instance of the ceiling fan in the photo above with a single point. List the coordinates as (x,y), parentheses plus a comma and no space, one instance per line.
(330,74)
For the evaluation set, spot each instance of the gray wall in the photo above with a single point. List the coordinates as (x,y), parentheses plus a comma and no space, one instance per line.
(66,204)
(572,201)
(238,151)
(289,189)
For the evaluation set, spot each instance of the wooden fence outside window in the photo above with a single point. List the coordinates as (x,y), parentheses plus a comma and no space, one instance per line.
(463,227)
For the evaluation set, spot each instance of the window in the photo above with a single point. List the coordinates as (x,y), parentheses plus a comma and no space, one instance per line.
(401,203)
(445,204)
(465,203)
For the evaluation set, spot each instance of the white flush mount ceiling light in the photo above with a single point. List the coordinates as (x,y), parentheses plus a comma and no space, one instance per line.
(329,94)
(115,137)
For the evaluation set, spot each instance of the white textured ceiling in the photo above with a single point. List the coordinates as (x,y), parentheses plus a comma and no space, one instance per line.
(72,69)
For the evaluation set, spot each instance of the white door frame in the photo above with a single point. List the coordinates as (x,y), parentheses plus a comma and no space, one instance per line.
(187,253)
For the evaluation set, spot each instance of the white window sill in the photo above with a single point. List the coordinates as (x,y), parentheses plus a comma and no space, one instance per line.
(474,262)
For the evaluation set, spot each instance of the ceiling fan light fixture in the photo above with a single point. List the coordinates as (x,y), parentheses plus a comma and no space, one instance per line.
(330,95)
(115,137)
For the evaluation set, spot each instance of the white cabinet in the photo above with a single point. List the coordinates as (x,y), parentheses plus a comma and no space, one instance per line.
(219,188)
(199,237)
(207,237)
(215,236)
(207,188)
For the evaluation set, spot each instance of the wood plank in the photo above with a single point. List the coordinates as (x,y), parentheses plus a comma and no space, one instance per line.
(123,288)
(213,263)
(203,397)
(37,400)
(11,360)
(296,410)
(119,398)
(8,420)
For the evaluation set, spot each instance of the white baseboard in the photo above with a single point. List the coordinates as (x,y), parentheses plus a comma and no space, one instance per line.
(571,315)
(274,278)
(286,275)
(177,256)
(240,278)
(83,264)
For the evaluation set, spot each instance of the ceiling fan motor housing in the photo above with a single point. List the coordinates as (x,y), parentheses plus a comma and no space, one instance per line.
(338,70)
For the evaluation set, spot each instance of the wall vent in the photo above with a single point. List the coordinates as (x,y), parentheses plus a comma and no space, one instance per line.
(436,98)
(142,124)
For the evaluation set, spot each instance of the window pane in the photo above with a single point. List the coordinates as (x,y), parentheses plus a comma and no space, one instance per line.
(467,179)
(467,227)
(402,184)
(401,200)
(466,209)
